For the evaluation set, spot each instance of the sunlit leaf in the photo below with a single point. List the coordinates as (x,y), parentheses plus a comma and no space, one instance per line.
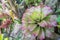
(1,36)
(35,15)
(6,39)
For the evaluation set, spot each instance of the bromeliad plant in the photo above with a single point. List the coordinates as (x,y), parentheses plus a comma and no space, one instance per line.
(37,21)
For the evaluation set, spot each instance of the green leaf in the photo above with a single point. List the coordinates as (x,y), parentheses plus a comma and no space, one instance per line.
(58,10)
(0,5)
(58,19)
(36,30)
(27,2)
(17,21)
(39,0)
(58,26)
(47,18)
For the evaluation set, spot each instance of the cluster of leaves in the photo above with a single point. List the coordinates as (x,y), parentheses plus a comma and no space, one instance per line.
(33,2)
(7,27)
